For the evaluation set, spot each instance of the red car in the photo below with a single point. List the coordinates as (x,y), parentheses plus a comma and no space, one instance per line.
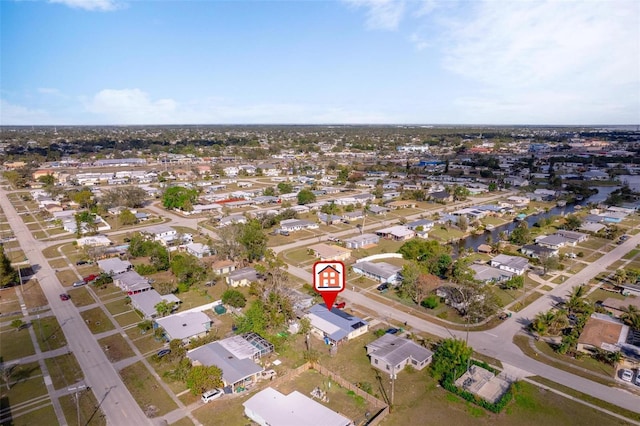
(64,296)
(341,305)
(89,278)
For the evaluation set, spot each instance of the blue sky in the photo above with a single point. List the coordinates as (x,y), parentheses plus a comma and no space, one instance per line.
(350,61)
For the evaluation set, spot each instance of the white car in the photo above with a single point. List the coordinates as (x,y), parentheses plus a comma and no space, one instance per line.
(212,394)
(638,377)
(626,375)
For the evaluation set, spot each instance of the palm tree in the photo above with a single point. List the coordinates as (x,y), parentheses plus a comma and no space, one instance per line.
(559,321)
(631,317)
(579,291)
(542,322)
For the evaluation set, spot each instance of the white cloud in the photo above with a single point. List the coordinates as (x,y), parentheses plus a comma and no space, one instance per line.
(131,106)
(528,44)
(91,5)
(381,14)
(419,42)
(16,115)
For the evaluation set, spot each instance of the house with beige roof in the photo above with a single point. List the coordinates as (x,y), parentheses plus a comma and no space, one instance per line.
(330,252)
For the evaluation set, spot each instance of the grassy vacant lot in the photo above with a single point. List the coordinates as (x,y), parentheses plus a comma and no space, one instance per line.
(116,347)
(26,383)
(59,262)
(35,417)
(128,318)
(97,320)
(81,297)
(52,252)
(146,390)
(118,306)
(145,343)
(66,277)
(15,344)
(185,421)
(33,295)
(90,413)
(528,300)
(49,333)
(9,300)
(108,292)
(64,370)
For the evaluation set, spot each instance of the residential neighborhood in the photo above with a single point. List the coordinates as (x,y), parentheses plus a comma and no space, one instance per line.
(186,282)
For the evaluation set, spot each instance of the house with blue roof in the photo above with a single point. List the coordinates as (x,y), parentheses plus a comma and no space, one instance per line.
(335,326)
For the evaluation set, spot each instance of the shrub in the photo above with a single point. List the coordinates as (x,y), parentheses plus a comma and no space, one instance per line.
(430,302)
(234,298)
(379,333)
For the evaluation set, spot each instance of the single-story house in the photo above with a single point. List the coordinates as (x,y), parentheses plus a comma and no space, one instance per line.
(292,225)
(361,241)
(401,204)
(592,227)
(382,272)
(377,210)
(198,250)
(222,267)
(330,252)
(397,233)
(442,196)
(517,265)
(335,325)
(423,224)
(272,408)
(329,219)
(390,353)
(486,273)
(617,306)
(146,302)
(242,277)
(353,215)
(602,332)
(94,241)
(236,356)
(114,266)
(185,325)
(552,241)
(163,233)
(229,220)
(536,251)
(572,236)
(484,248)
(132,282)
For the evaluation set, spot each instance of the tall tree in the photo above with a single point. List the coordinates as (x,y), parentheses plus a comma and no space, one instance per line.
(8,275)
(253,239)
(201,378)
(306,196)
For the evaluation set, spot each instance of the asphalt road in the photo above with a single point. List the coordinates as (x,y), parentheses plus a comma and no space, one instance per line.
(116,402)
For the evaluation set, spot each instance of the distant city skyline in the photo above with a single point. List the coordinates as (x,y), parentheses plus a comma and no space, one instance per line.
(108,62)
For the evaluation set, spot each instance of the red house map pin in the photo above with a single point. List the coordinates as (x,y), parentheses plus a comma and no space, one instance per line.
(329,279)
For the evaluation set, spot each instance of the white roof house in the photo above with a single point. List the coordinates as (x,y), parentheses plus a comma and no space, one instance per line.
(516,264)
(146,302)
(114,266)
(382,271)
(185,325)
(272,408)
(94,241)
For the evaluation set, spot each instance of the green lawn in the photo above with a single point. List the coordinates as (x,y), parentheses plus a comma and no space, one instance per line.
(26,383)
(127,318)
(97,320)
(64,370)
(49,333)
(81,297)
(38,416)
(145,343)
(118,306)
(59,263)
(146,390)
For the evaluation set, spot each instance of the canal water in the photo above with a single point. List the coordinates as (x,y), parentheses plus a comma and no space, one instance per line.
(475,240)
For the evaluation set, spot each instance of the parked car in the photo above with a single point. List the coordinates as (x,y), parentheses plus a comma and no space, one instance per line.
(163,352)
(64,296)
(82,262)
(79,283)
(89,278)
(392,330)
(626,375)
(383,287)
(212,394)
(341,305)
(285,233)
(637,382)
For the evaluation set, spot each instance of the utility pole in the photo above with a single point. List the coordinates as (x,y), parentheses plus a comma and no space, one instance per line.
(393,382)
(77,389)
